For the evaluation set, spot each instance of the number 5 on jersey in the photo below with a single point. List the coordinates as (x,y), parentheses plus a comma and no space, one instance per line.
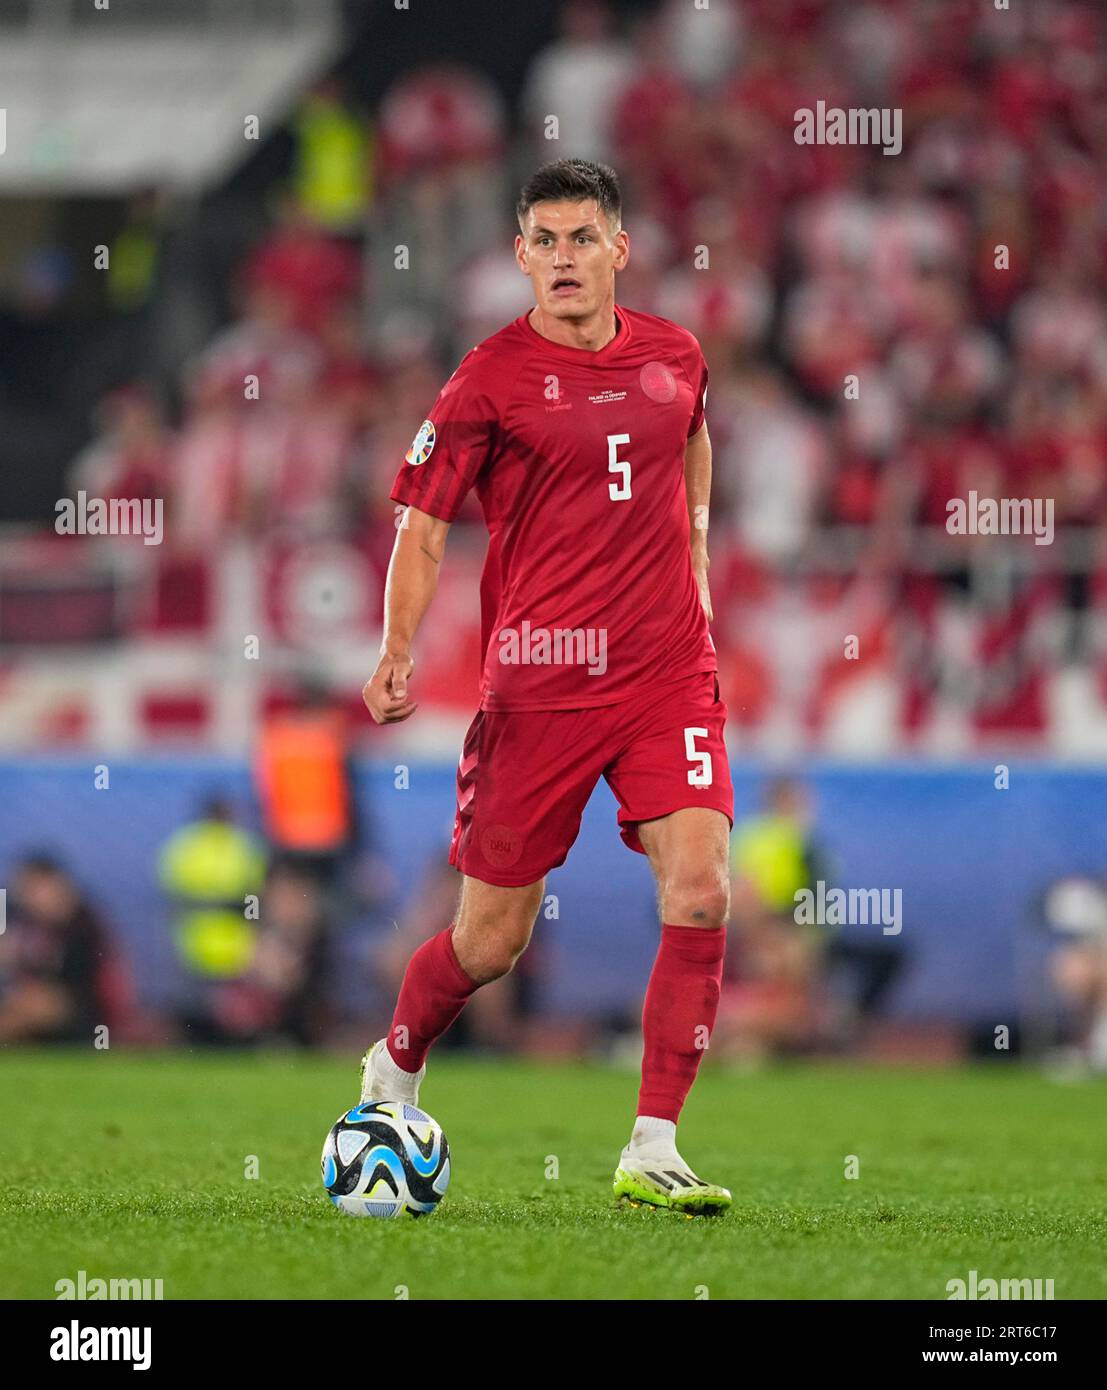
(619,492)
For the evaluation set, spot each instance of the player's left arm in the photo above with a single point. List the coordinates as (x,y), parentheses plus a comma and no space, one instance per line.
(697,490)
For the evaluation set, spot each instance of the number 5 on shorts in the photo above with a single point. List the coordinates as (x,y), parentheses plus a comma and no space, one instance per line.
(697,776)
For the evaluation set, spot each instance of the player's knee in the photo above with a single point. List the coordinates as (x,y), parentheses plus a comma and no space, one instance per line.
(494,961)
(699,900)
(493,929)
(490,952)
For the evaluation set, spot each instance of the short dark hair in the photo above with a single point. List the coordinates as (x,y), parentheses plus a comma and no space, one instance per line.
(42,861)
(573,180)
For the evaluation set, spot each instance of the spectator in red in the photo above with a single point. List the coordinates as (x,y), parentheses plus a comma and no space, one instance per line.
(129,458)
(443,131)
(315,270)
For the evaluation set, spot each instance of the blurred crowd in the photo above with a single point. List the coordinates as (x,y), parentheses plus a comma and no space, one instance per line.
(262,925)
(961,282)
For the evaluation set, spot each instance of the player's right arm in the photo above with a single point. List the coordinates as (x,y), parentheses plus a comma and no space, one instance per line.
(454,443)
(410,586)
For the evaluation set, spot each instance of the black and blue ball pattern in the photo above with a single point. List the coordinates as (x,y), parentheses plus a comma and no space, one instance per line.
(385,1158)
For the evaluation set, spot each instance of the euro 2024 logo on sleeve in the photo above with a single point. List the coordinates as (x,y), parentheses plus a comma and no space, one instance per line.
(422,446)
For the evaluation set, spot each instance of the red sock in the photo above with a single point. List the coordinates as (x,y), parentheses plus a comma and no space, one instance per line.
(434,992)
(682,1000)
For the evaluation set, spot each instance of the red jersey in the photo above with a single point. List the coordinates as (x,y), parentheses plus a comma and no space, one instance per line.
(588,595)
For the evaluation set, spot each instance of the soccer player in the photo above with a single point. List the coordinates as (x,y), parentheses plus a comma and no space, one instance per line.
(581,426)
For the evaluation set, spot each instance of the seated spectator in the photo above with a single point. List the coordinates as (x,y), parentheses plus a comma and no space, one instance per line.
(771,972)
(1075,911)
(497,1017)
(61,975)
(282,996)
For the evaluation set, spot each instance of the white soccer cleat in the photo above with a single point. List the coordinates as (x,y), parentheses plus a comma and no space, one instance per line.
(382,1079)
(661,1178)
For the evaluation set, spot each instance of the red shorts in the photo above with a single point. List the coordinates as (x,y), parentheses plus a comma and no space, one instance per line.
(525,776)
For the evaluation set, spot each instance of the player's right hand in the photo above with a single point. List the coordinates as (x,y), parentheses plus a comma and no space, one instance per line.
(385,693)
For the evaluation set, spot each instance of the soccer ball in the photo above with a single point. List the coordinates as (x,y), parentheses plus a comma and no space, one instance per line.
(384,1158)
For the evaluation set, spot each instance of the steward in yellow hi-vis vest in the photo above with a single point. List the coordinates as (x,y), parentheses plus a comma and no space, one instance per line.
(331,178)
(773,856)
(770,852)
(209,868)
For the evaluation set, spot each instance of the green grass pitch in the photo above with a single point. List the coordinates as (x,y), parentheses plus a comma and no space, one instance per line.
(133,1166)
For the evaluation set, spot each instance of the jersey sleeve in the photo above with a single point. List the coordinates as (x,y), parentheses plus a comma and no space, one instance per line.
(699,409)
(453,444)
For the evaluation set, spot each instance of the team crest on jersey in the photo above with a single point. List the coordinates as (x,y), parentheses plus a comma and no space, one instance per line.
(658,382)
(422,446)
